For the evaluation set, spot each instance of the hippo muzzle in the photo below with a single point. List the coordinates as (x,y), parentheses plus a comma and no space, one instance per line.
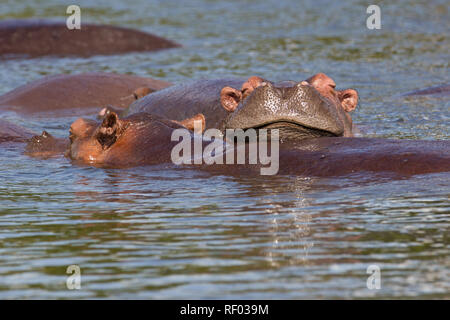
(298,110)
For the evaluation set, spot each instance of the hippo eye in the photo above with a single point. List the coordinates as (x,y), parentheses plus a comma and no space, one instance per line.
(71,135)
(333,85)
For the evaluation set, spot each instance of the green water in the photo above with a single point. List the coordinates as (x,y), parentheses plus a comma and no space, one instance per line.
(156,232)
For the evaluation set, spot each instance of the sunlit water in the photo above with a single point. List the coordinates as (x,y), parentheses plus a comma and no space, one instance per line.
(156,232)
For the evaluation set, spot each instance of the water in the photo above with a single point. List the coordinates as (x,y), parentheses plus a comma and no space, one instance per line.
(157,232)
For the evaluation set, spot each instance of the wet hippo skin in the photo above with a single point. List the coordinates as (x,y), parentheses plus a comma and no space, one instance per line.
(139,139)
(42,146)
(305,109)
(63,94)
(144,139)
(184,100)
(46,146)
(10,132)
(443,90)
(341,156)
(35,38)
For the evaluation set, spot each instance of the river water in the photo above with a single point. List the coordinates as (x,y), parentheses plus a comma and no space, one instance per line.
(156,232)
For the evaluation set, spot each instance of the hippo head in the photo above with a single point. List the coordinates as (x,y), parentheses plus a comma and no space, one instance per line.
(308,109)
(45,146)
(141,138)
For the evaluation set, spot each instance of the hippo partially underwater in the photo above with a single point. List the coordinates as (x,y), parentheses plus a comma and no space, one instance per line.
(37,37)
(78,94)
(312,116)
(142,139)
(306,109)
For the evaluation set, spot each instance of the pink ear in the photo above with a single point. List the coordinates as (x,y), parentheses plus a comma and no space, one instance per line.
(321,80)
(190,122)
(251,84)
(141,92)
(109,130)
(349,99)
(230,98)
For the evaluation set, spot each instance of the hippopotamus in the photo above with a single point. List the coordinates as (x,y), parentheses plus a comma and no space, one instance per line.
(442,90)
(323,147)
(45,146)
(35,38)
(139,139)
(10,132)
(300,110)
(145,139)
(78,94)
(41,146)
(336,156)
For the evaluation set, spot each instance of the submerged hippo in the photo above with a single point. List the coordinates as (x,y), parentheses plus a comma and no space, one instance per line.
(42,146)
(45,146)
(144,139)
(443,90)
(306,109)
(34,38)
(68,95)
(10,132)
(140,139)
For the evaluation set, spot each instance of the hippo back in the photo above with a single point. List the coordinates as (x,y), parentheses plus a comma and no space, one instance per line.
(12,132)
(184,101)
(39,37)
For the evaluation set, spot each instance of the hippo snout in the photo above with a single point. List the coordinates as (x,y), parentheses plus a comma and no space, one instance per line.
(287,106)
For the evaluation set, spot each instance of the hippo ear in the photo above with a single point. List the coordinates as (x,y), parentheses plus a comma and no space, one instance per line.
(141,92)
(251,84)
(138,93)
(109,129)
(321,80)
(349,99)
(230,98)
(196,123)
(109,108)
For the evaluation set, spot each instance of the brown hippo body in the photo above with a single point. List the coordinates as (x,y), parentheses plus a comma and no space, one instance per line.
(301,110)
(323,147)
(46,146)
(443,90)
(185,100)
(10,132)
(139,139)
(68,95)
(43,146)
(341,156)
(35,38)
(144,139)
